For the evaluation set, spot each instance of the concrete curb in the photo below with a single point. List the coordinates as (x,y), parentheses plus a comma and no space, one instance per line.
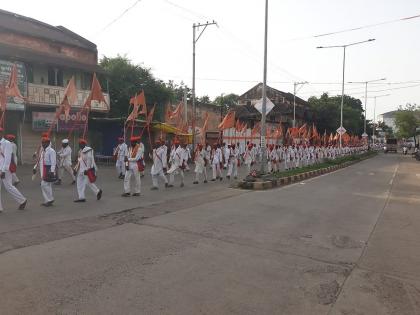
(284,181)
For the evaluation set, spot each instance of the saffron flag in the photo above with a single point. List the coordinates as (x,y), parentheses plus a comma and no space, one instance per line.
(139,100)
(12,88)
(96,91)
(71,92)
(3,98)
(150,116)
(302,129)
(176,113)
(228,121)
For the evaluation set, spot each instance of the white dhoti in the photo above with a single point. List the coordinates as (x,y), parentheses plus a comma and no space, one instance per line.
(68,169)
(233,168)
(12,190)
(47,192)
(120,166)
(132,172)
(82,182)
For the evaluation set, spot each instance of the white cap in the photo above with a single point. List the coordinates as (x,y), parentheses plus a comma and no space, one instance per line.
(65,141)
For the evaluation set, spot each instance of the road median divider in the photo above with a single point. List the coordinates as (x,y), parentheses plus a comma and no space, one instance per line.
(269,181)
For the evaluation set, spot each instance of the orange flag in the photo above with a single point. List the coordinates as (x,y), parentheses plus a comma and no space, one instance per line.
(3,98)
(176,113)
(135,112)
(238,126)
(256,129)
(302,129)
(140,100)
(12,88)
(71,92)
(150,116)
(228,121)
(96,91)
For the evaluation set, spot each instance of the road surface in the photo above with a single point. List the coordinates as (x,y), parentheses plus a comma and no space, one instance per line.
(345,243)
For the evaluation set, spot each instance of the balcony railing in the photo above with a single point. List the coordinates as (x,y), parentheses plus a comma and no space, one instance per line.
(46,95)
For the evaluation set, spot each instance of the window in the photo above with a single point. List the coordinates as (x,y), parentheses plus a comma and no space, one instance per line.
(86,81)
(51,76)
(59,81)
(30,73)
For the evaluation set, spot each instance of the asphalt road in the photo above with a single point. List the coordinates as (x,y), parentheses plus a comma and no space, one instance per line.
(344,243)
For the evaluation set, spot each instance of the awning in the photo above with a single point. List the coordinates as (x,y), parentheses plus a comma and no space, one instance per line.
(168,129)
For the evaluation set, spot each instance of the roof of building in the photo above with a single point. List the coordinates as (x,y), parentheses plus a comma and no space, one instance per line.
(390,114)
(27,26)
(22,54)
(286,95)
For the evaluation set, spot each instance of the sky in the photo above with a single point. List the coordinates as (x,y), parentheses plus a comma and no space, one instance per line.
(229,57)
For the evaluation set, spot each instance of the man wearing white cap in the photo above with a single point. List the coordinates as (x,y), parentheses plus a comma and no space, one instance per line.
(64,164)
(6,152)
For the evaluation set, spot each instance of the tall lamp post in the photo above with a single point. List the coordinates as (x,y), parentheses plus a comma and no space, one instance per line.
(366,97)
(195,40)
(295,85)
(374,115)
(264,96)
(341,129)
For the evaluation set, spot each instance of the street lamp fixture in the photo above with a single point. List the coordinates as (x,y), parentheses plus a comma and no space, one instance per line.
(344,67)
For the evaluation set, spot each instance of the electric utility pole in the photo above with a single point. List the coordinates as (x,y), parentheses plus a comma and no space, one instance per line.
(195,40)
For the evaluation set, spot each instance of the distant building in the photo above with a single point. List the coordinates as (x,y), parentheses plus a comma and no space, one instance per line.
(47,57)
(282,111)
(389,119)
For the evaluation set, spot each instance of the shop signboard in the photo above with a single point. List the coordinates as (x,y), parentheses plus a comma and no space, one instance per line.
(41,121)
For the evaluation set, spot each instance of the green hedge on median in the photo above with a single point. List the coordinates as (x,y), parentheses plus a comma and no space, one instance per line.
(325,164)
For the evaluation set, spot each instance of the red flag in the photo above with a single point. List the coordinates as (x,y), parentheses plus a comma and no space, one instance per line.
(228,121)
(12,88)
(302,129)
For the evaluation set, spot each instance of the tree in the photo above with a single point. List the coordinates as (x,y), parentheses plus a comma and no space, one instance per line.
(327,113)
(385,128)
(126,79)
(228,101)
(407,120)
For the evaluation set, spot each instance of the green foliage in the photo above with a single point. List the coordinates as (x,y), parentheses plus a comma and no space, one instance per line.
(126,79)
(228,100)
(406,120)
(327,113)
(385,128)
(326,163)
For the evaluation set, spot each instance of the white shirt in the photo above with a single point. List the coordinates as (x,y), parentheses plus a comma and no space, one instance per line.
(48,158)
(65,155)
(159,158)
(6,152)
(121,151)
(86,160)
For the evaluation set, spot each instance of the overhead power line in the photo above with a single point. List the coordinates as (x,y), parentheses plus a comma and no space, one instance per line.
(119,16)
(353,29)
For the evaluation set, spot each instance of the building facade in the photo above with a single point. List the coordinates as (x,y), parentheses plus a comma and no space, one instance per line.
(47,57)
(282,111)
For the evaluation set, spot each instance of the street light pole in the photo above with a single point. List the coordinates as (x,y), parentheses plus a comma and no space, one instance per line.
(374,116)
(366,97)
(264,96)
(296,84)
(344,68)
(195,40)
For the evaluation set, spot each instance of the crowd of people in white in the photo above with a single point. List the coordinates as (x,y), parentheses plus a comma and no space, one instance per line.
(224,160)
